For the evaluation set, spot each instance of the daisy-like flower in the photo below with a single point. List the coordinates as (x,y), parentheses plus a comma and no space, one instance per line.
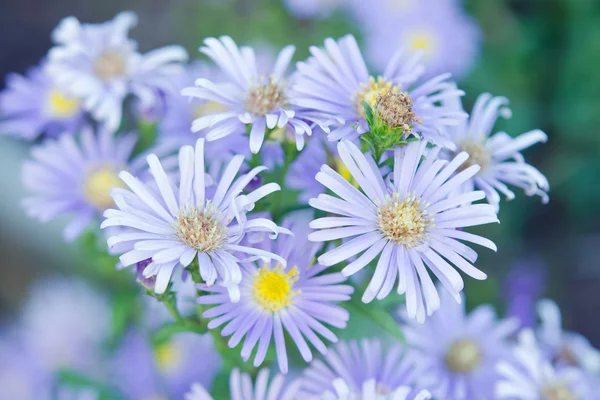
(101,65)
(411,223)
(532,377)
(497,154)
(358,364)
(33,105)
(70,177)
(298,300)
(250,98)
(457,353)
(370,391)
(241,388)
(335,81)
(174,230)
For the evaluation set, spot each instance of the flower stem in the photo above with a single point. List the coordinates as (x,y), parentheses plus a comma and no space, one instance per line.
(380,316)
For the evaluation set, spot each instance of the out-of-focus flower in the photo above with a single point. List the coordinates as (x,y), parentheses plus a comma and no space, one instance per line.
(33,105)
(411,223)
(306,9)
(448,37)
(298,300)
(335,82)
(174,230)
(241,388)
(498,155)
(67,177)
(370,390)
(532,377)
(101,65)
(522,288)
(358,363)
(457,353)
(249,98)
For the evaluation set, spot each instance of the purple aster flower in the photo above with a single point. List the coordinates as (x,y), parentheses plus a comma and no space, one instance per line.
(370,390)
(75,178)
(411,223)
(297,300)
(241,388)
(335,81)
(250,98)
(522,288)
(101,65)
(457,353)
(306,9)
(173,230)
(532,377)
(33,105)
(358,363)
(498,154)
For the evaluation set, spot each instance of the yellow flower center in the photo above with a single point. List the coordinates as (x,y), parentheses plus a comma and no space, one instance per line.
(403,221)
(273,288)
(168,356)
(422,39)
(207,108)
(478,154)
(201,230)
(262,99)
(98,184)
(110,64)
(62,106)
(557,392)
(463,356)
(369,92)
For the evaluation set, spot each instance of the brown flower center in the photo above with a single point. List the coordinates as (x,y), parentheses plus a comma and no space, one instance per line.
(109,64)
(262,99)
(396,109)
(201,229)
(478,154)
(463,356)
(403,221)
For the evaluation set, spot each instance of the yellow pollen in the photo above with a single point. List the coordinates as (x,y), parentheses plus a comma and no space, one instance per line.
(168,356)
(369,92)
(478,154)
(463,356)
(421,39)
(207,108)
(62,106)
(201,230)
(273,288)
(403,221)
(110,64)
(262,99)
(557,392)
(98,184)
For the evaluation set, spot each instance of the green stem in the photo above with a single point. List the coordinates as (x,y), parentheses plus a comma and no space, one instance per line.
(170,304)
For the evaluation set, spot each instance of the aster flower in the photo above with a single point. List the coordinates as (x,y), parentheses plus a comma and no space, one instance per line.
(370,391)
(250,98)
(411,223)
(67,177)
(457,353)
(274,299)
(532,377)
(358,363)
(174,230)
(498,154)
(101,65)
(335,81)
(240,386)
(522,288)
(33,105)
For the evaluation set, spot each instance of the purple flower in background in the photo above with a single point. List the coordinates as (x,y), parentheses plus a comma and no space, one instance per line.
(67,177)
(101,65)
(457,353)
(249,98)
(298,300)
(306,9)
(497,154)
(370,390)
(334,82)
(522,287)
(241,388)
(357,363)
(33,105)
(411,223)
(174,229)
(449,38)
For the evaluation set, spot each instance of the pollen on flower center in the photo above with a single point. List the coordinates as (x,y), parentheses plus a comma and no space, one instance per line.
(262,99)
(396,109)
(98,184)
(557,392)
(62,106)
(168,357)
(463,356)
(273,288)
(403,221)
(201,229)
(207,108)
(109,64)
(369,92)
(478,154)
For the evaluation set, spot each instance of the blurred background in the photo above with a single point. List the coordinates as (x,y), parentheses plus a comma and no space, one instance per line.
(542,54)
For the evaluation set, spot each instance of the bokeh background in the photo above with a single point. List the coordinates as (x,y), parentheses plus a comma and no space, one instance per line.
(542,54)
